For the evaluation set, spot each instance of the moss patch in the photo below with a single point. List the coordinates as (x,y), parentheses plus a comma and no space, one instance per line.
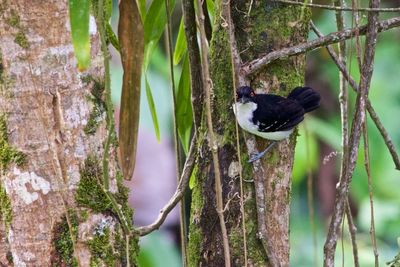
(99,107)
(5,208)
(90,193)
(8,154)
(107,248)
(101,249)
(63,243)
(21,40)
(14,21)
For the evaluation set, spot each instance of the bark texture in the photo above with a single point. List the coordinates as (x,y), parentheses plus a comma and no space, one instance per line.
(268,27)
(52,119)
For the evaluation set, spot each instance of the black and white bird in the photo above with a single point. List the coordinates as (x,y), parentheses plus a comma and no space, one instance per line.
(271,116)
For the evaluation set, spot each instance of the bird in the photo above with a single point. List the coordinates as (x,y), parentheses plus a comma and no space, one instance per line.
(270,116)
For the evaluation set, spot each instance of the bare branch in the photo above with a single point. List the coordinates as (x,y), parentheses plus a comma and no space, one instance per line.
(370,109)
(179,192)
(339,8)
(358,120)
(367,166)
(353,232)
(254,65)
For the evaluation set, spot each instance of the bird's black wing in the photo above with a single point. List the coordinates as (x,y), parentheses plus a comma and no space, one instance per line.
(276,113)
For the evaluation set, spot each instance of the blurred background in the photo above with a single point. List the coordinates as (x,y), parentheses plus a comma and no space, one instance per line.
(317,158)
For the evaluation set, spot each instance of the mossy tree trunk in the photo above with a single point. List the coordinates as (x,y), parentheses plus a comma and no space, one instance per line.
(54,209)
(268,27)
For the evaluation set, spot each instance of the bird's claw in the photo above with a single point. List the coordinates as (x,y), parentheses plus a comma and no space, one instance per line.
(256,157)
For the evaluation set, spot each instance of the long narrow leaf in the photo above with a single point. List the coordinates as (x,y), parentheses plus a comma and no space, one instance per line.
(131,41)
(184,113)
(180,46)
(155,20)
(152,108)
(79,19)
(142,9)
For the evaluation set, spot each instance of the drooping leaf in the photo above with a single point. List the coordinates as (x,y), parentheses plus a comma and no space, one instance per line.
(131,41)
(79,20)
(156,18)
(211,9)
(111,37)
(180,46)
(184,113)
(142,9)
(148,51)
(153,111)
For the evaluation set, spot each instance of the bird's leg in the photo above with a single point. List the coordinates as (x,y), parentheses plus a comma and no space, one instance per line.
(261,154)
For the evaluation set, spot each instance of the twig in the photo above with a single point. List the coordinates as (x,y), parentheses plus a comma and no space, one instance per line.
(370,109)
(339,8)
(352,231)
(212,141)
(194,59)
(371,201)
(344,105)
(179,192)
(254,65)
(236,62)
(178,154)
(358,120)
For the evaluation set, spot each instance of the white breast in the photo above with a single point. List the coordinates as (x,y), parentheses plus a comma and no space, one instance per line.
(244,115)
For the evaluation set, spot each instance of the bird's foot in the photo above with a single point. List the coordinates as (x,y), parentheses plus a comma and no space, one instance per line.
(261,154)
(257,156)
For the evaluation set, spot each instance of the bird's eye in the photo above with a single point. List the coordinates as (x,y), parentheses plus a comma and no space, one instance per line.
(237,96)
(252,94)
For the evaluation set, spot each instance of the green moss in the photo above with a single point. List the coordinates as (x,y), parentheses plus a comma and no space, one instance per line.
(21,40)
(101,249)
(8,154)
(109,248)
(90,193)
(5,208)
(10,258)
(194,247)
(195,232)
(13,20)
(99,107)
(62,240)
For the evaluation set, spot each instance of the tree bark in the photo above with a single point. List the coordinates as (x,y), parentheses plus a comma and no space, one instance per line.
(268,27)
(54,208)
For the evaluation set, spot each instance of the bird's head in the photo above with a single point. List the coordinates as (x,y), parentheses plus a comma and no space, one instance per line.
(244,94)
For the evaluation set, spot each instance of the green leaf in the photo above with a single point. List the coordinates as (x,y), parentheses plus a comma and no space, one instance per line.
(192,179)
(79,19)
(111,37)
(211,9)
(148,52)
(142,9)
(180,46)
(156,18)
(152,108)
(184,113)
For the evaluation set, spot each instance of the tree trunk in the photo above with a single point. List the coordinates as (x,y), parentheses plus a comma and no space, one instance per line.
(270,26)
(54,208)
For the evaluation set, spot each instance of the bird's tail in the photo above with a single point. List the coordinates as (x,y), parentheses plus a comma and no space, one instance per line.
(307,97)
